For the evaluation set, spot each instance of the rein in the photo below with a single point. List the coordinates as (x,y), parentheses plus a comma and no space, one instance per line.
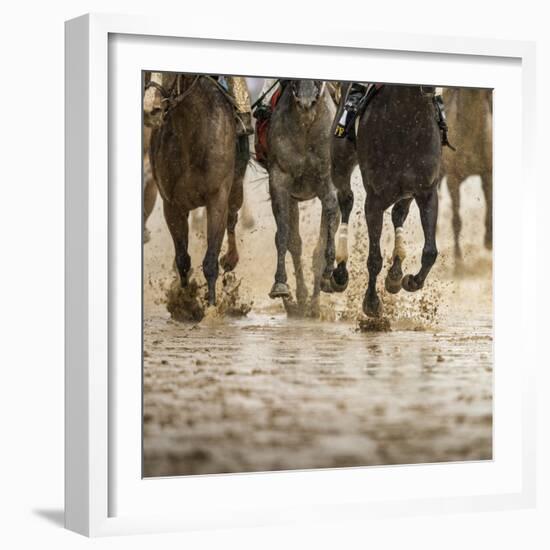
(173,97)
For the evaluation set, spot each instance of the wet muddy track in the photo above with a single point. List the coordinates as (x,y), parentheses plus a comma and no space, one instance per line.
(271,394)
(265,392)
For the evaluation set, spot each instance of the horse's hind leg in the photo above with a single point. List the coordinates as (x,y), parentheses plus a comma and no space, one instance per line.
(453,185)
(340,276)
(428,206)
(230,259)
(374,214)
(216,220)
(176,219)
(399,214)
(487,186)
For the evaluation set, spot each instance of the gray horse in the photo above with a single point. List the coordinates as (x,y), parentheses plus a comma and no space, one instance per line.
(197,161)
(298,140)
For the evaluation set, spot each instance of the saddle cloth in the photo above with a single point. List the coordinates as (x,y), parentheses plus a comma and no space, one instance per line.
(261,130)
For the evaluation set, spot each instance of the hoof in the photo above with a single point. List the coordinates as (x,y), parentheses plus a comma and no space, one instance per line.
(340,278)
(409,283)
(393,285)
(314,310)
(228,263)
(146,235)
(279,290)
(394,277)
(372,308)
(326,285)
(489,243)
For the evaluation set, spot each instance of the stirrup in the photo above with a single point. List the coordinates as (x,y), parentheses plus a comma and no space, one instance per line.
(244,124)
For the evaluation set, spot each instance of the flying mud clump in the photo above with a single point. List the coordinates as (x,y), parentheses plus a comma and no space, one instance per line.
(402,311)
(190,304)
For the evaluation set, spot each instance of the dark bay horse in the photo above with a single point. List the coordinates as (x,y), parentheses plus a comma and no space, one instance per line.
(197,160)
(299,169)
(398,148)
(469,115)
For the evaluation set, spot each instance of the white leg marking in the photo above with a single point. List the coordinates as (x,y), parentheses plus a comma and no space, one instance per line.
(342,244)
(399,245)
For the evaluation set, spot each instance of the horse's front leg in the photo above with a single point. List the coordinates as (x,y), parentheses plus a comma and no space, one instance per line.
(295,249)
(487,186)
(150,193)
(428,206)
(279,183)
(374,214)
(399,214)
(341,176)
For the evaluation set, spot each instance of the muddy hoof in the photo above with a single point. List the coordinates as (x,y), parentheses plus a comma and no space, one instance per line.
(279,290)
(394,277)
(409,283)
(393,285)
(314,309)
(146,235)
(326,285)
(372,308)
(229,262)
(489,243)
(340,278)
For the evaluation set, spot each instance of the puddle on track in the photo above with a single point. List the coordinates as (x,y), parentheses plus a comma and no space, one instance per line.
(268,393)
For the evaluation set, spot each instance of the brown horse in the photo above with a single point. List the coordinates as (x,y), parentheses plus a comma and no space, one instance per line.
(150,190)
(469,116)
(197,160)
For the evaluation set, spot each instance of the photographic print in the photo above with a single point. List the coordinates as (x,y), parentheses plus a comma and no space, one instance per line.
(317,274)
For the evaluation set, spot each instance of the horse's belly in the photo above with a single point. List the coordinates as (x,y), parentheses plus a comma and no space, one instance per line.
(306,187)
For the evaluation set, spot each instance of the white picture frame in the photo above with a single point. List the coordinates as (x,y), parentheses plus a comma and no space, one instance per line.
(96,447)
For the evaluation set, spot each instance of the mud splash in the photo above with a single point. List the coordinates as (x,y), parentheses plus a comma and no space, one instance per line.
(190,304)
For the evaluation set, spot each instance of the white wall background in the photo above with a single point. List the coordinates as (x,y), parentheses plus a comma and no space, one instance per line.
(31,270)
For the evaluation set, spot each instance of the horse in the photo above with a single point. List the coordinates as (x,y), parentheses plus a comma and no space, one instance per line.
(152,101)
(197,160)
(150,190)
(469,115)
(298,164)
(398,149)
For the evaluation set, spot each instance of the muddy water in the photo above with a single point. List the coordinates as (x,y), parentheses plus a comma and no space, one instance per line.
(264,392)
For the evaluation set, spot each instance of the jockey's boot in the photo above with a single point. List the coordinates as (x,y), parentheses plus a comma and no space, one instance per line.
(238,89)
(351,107)
(442,121)
(244,124)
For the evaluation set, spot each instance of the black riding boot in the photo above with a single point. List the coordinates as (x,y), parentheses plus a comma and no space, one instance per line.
(351,107)
(442,121)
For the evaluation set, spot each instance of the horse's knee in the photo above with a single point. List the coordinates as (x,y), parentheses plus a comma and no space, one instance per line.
(374,262)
